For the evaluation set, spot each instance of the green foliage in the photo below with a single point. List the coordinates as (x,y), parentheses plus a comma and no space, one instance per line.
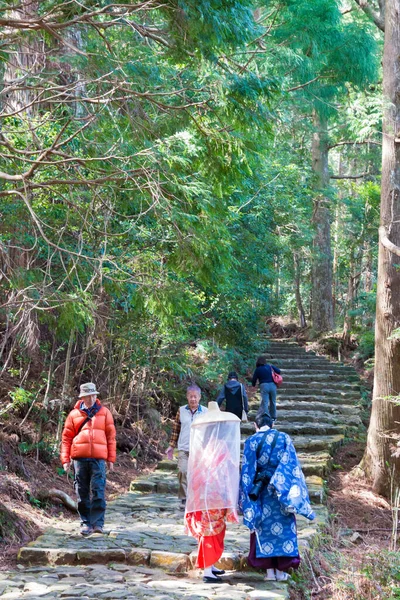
(20,397)
(34,501)
(175,185)
(366,344)
(382,569)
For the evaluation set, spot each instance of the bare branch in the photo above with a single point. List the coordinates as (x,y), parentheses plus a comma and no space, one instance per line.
(384,240)
(298,87)
(372,142)
(376,17)
(349,176)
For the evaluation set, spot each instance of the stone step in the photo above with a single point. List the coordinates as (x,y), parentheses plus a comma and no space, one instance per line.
(301,428)
(146,533)
(326,377)
(323,369)
(268,349)
(284,406)
(287,342)
(304,443)
(119,580)
(334,405)
(349,404)
(325,386)
(288,351)
(322,373)
(320,459)
(302,415)
(168,484)
(326,395)
(320,465)
(315,463)
(313,364)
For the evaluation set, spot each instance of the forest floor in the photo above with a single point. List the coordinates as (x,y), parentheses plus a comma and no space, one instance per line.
(26,514)
(351,558)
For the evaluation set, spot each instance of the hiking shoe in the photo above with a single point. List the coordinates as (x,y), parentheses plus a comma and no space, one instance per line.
(86,530)
(98,529)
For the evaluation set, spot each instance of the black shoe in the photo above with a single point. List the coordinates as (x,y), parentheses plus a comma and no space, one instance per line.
(218,572)
(86,530)
(213,580)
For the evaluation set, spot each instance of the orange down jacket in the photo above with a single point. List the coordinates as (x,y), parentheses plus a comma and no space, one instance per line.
(95,440)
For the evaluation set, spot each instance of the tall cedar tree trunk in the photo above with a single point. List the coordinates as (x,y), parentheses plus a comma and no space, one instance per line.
(384,429)
(299,303)
(352,292)
(322,301)
(27,59)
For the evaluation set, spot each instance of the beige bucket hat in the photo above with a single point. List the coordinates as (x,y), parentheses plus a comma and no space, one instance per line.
(87,389)
(214,415)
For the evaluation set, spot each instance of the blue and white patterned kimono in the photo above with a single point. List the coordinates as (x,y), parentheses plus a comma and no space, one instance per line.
(272,516)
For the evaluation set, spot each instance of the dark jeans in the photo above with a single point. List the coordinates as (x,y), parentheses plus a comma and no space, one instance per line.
(90,488)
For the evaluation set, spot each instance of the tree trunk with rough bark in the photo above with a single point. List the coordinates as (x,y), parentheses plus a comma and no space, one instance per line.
(379,460)
(352,289)
(322,300)
(27,59)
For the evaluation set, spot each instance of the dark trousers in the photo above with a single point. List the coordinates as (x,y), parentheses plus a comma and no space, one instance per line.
(90,488)
(283,563)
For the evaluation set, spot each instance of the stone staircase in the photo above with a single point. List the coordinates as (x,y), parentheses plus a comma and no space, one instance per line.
(317,405)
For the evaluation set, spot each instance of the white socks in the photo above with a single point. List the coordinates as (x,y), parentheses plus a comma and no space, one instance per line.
(276,575)
(270,575)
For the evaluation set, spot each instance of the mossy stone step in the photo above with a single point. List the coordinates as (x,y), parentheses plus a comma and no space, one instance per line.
(303,409)
(316,377)
(311,444)
(160,486)
(301,403)
(312,464)
(289,370)
(322,418)
(323,404)
(319,395)
(293,428)
(296,414)
(330,386)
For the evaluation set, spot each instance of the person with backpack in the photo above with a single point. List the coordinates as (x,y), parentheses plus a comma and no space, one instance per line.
(235,397)
(264,374)
(272,491)
(88,441)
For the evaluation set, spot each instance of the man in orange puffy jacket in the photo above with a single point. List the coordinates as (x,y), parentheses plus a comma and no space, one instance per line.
(88,439)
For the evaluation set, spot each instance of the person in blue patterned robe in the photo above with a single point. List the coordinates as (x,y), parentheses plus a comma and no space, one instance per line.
(271,519)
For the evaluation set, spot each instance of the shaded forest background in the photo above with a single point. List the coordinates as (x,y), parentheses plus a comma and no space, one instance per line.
(172,174)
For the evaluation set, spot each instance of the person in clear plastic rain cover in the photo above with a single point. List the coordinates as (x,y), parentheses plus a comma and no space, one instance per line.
(213,485)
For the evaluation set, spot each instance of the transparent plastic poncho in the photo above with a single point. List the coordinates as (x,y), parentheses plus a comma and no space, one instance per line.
(214,466)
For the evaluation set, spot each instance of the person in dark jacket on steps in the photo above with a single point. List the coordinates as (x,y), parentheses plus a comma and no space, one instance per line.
(263,374)
(235,396)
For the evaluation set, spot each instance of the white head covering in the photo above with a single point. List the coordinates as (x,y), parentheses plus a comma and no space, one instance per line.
(214,461)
